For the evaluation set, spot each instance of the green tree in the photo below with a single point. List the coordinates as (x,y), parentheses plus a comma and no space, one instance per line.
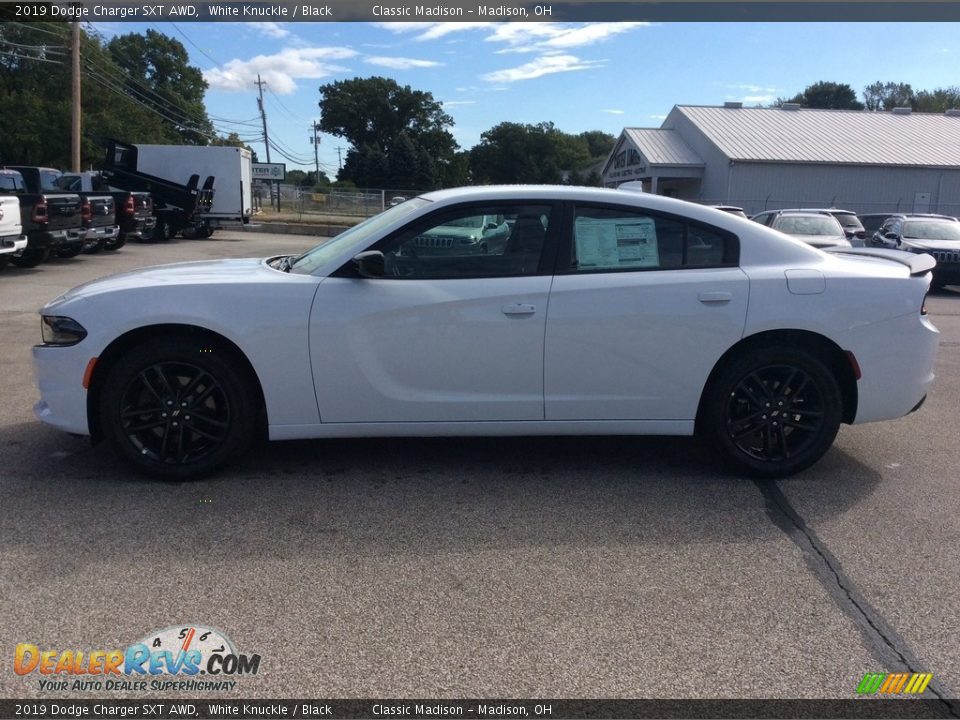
(155,70)
(599,143)
(35,87)
(828,96)
(887,95)
(938,100)
(515,153)
(379,117)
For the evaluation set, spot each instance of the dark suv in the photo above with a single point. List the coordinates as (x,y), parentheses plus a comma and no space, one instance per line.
(937,235)
(848,220)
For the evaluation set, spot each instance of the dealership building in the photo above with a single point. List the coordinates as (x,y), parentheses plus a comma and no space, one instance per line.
(769,158)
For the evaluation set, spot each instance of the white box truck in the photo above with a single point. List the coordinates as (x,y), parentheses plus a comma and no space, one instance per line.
(231,168)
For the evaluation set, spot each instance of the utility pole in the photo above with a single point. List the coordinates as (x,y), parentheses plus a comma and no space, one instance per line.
(75,99)
(266,140)
(339,159)
(316,156)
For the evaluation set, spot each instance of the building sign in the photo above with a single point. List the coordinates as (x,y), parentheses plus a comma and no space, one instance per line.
(269,171)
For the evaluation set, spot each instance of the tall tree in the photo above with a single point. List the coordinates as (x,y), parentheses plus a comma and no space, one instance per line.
(35,87)
(887,95)
(938,100)
(513,152)
(155,70)
(827,95)
(377,116)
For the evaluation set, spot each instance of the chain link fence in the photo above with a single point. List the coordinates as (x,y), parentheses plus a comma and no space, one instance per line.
(306,204)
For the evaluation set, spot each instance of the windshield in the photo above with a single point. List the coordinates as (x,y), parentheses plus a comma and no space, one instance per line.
(358,237)
(809,225)
(931,230)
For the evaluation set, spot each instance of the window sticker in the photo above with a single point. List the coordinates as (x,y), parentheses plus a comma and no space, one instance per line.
(616,242)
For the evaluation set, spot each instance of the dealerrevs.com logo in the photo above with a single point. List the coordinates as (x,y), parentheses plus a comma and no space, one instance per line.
(180,657)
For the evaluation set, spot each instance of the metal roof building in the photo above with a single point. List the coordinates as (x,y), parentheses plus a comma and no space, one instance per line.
(768,158)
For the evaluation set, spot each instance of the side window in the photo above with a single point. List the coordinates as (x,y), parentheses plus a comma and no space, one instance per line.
(474,242)
(609,239)
(765,218)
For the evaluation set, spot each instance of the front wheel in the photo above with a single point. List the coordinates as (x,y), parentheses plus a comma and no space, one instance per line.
(178,408)
(773,412)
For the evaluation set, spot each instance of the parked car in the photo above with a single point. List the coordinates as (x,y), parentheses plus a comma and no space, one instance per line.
(133,211)
(665,317)
(51,219)
(871,223)
(12,239)
(937,235)
(814,227)
(474,234)
(852,228)
(732,209)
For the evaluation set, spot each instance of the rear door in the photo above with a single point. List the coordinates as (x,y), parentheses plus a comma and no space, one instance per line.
(642,306)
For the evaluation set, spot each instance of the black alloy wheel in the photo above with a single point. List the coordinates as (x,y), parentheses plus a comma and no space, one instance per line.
(775,412)
(178,408)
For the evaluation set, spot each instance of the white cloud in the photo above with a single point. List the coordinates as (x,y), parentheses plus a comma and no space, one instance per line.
(454,103)
(430,30)
(281,70)
(545,37)
(544,65)
(399,63)
(611,111)
(658,117)
(269,29)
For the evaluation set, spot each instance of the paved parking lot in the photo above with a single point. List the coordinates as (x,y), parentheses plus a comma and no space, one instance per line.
(545,567)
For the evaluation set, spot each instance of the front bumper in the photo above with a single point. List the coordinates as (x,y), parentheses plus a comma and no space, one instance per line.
(59,375)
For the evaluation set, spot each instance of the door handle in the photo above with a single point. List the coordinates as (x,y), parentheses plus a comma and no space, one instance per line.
(519,309)
(714,298)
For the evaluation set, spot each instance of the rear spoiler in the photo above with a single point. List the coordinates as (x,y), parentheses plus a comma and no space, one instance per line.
(919,263)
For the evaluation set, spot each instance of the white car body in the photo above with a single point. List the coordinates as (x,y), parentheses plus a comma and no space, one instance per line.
(607,353)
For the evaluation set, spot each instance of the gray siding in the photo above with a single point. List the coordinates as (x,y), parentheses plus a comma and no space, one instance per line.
(769,186)
(713,186)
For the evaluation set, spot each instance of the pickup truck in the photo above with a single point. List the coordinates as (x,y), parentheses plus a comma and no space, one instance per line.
(51,219)
(133,210)
(97,210)
(12,239)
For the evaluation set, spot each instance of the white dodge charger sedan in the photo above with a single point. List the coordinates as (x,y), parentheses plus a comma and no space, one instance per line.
(603,312)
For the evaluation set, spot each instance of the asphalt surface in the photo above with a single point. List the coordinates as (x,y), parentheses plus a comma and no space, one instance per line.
(545,567)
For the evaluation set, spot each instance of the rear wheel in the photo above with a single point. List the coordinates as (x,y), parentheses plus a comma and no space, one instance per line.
(161,231)
(773,412)
(178,408)
(69,251)
(3,261)
(31,257)
(114,244)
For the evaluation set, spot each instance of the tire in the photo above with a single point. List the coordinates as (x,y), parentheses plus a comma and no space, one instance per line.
(114,244)
(31,257)
(3,261)
(69,251)
(161,231)
(177,408)
(773,412)
(92,250)
(938,284)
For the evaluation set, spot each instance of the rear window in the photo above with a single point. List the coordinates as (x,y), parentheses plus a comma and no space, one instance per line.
(808,225)
(849,220)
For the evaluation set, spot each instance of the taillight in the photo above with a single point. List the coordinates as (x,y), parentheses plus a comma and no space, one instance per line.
(923,306)
(130,208)
(86,212)
(40,212)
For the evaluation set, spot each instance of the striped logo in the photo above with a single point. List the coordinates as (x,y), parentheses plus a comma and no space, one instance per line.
(894,683)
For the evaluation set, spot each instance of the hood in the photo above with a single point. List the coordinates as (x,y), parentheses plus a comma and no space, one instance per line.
(205,272)
(920,244)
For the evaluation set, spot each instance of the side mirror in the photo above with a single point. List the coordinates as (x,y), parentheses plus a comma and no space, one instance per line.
(370,264)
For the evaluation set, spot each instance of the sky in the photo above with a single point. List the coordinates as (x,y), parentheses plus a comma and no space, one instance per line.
(582,76)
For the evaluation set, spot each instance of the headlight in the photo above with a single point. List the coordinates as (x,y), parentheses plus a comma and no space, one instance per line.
(58,330)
